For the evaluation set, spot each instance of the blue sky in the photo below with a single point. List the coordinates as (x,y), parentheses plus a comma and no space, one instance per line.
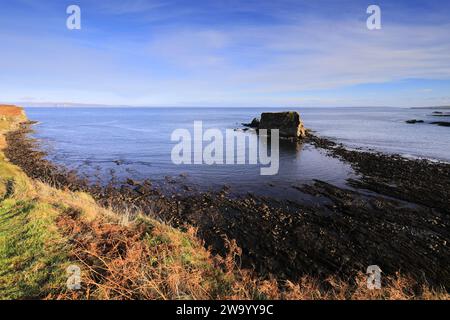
(226,53)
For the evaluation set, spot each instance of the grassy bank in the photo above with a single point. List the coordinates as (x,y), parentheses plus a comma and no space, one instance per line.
(44,230)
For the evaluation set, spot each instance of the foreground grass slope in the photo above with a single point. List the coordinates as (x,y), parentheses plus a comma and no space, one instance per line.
(44,230)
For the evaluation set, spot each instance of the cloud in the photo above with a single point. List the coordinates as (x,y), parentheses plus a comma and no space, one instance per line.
(272,57)
(311,55)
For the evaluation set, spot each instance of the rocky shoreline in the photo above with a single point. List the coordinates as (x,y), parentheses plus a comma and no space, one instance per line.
(395,216)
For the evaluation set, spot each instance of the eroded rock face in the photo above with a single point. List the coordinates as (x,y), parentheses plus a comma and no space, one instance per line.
(289,123)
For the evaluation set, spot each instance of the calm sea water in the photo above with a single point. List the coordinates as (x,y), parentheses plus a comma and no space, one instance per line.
(135,143)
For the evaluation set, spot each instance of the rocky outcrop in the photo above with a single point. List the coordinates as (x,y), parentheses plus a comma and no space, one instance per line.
(440,114)
(289,123)
(442,123)
(414,121)
(253,124)
(438,123)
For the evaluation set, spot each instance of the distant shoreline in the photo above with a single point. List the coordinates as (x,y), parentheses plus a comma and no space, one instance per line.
(437,108)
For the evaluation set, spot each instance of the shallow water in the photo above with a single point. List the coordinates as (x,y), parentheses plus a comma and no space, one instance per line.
(135,142)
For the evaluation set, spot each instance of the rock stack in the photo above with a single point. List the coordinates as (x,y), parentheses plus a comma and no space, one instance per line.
(288,123)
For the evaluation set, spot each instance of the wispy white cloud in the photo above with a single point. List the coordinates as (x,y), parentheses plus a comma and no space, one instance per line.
(317,56)
(246,64)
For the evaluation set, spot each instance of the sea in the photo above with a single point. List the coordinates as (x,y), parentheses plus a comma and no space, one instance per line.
(120,143)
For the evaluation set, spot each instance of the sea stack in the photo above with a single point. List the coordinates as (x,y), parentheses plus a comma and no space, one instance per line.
(289,123)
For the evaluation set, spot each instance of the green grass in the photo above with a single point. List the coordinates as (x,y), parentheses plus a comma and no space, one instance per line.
(32,258)
(32,252)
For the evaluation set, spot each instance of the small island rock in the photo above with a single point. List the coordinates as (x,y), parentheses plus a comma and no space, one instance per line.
(414,121)
(289,123)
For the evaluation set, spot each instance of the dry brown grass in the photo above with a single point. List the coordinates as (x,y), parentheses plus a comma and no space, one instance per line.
(146,260)
(149,260)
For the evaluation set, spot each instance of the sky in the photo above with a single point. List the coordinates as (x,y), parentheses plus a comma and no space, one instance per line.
(227,53)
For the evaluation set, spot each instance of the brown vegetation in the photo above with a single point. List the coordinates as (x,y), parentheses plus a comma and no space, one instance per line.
(11,111)
(144,260)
